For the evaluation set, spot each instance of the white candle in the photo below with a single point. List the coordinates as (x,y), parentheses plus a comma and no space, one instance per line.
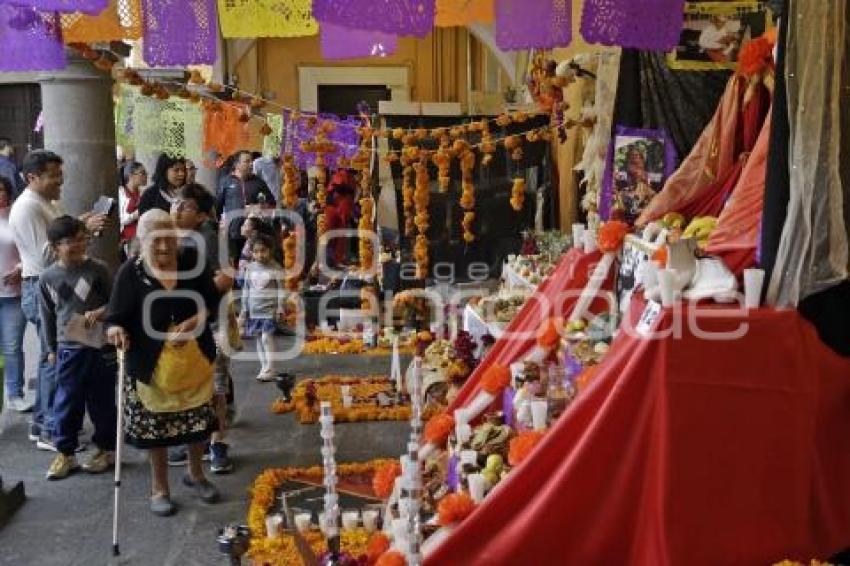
(350,519)
(538,414)
(477,487)
(273,524)
(302,522)
(370,519)
(753,283)
(463,432)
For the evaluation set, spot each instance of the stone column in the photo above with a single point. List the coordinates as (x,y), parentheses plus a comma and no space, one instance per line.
(77,108)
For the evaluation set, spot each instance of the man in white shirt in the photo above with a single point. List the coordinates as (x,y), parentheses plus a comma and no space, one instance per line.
(719,38)
(31,213)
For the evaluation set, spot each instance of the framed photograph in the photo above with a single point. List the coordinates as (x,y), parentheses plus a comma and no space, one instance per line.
(639,161)
(713,33)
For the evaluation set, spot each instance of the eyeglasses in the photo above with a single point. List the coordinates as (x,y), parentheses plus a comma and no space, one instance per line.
(141,173)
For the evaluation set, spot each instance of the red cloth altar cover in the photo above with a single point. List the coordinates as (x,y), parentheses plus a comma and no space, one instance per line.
(556,296)
(683,451)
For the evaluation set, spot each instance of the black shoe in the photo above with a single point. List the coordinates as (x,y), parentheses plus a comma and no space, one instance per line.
(220,463)
(285,383)
(178,456)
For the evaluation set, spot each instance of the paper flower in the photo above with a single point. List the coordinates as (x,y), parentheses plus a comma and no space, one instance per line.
(495,378)
(612,234)
(585,377)
(522,445)
(454,508)
(391,558)
(550,335)
(756,56)
(384,479)
(438,429)
(377,546)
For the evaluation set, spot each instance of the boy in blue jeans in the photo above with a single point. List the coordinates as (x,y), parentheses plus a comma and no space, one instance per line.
(73,296)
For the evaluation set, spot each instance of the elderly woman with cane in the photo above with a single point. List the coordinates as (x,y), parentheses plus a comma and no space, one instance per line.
(159,317)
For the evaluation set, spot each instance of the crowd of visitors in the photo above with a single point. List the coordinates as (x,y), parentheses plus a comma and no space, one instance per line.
(89,319)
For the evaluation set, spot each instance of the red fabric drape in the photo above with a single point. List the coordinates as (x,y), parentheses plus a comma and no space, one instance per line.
(555,296)
(683,451)
(737,234)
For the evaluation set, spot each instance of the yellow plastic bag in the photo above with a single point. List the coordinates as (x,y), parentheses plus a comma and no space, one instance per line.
(182,379)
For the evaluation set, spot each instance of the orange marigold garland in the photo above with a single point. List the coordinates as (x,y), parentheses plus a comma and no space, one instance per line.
(407,190)
(290,250)
(289,190)
(518,194)
(611,236)
(495,378)
(467,194)
(522,445)
(454,508)
(438,429)
(282,550)
(383,481)
(366,245)
(421,200)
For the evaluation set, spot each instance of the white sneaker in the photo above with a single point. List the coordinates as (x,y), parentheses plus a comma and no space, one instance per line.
(19,405)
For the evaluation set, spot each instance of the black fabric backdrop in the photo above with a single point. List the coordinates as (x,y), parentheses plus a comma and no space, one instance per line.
(497,226)
(651,95)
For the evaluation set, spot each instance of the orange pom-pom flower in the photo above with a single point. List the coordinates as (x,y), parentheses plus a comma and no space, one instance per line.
(377,546)
(391,558)
(612,234)
(438,429)
(755,57)
(659,256)
(585,377)
(454,508)
(522,445)
(550,335)
(495,378)
(384,479)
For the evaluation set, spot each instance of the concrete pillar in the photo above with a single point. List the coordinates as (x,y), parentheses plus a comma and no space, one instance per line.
(79,125)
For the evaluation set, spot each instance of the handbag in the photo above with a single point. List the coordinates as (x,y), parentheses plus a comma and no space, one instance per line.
(182,379)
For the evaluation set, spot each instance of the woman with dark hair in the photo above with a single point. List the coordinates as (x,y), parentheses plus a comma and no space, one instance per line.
(12,320)
(168,177)
(129,197)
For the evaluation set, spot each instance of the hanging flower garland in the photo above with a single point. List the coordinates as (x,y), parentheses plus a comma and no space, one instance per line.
(407,190)
(290,250)
(421,199)
(290,187)
(514,145)
(467,194)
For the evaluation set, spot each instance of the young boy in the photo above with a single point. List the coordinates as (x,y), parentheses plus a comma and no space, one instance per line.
(73,296)
(192,211)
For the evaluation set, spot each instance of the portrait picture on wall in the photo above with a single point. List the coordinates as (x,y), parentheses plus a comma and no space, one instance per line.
(639,161)
(713,33)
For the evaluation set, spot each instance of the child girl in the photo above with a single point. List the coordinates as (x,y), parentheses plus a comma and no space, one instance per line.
(263,301)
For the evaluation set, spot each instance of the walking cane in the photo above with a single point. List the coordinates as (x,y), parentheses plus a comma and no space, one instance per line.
(119,441)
